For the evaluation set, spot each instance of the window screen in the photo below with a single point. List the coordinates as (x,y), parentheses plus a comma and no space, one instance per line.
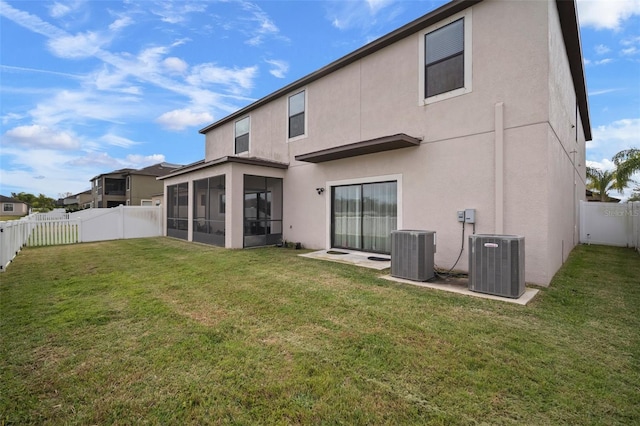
(444,59)
(242,135)
(296,115)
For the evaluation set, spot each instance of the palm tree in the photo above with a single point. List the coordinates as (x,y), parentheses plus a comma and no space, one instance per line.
(601,181)
(627,163)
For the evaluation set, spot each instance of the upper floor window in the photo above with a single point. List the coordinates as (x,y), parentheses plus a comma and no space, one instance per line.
(242,135)
(296,114)
(446,59)
(128,183)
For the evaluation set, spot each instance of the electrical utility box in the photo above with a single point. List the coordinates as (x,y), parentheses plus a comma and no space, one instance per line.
(496,264)
(412,254)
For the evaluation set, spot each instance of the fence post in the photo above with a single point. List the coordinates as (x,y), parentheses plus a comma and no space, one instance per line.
(121,207)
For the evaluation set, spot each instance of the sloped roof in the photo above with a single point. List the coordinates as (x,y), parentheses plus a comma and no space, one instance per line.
(4,199)
(201,164)
(160,169)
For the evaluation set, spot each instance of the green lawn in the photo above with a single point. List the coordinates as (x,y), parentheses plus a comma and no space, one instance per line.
(160,331)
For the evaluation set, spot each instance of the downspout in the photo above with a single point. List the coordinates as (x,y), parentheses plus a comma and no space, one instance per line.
(499,167)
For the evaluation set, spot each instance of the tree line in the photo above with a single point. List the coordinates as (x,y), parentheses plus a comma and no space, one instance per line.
(39,203)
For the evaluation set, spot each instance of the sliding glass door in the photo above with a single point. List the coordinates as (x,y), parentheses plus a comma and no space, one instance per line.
(363,216)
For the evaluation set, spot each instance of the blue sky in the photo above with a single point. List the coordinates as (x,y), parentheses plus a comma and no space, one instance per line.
(92,86)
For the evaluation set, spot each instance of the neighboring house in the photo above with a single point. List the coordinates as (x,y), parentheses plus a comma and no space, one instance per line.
(81,200)
(476,105)
(129,187)
(157,199)
(595,197)
(12,207)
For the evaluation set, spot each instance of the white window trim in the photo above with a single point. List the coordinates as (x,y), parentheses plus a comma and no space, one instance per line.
(468,59)
(150,202)
(243,153)
(370,179)
(306,116)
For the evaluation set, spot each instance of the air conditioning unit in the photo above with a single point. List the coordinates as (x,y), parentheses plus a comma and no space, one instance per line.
(412,254)
(496,264)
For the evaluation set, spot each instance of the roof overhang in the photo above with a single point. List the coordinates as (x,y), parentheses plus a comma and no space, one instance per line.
(371,146)
(251,161)
(571,35)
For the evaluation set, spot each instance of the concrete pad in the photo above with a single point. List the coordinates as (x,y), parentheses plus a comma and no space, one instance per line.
(460,286)
(453,285)
(352,257)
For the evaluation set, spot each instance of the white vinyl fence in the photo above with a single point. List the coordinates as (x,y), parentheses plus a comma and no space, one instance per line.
(55,228)
(611,224)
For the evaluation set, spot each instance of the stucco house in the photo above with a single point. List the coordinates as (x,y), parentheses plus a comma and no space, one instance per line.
(81,200)
(13,207)
(131,187)
(477,105)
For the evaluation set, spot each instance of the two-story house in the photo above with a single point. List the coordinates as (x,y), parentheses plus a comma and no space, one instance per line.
(477,105)
(130,187)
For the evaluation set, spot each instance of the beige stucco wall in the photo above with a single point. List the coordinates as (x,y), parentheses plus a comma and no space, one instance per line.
(142,187)
(19,209)
(506,149)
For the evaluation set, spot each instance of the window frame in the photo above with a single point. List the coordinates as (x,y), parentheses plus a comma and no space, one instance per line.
(5,207)
(467,16)
(304,133)
(236,136)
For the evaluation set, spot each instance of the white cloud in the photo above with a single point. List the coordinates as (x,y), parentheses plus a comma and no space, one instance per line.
(29,21)
(603,164)
(177,12)
(115,140)
(265,26)
(138,161)
(78,46)
(609,14)
(175,65)
(58,10)
(279,68)
(236,80)
(359,13)
(614,137)
(37,136)
(376,5)
(604,61)
(120,23)
(601,49)
(603,92)
(180,119)
(43,171)
(11,116)
(95,159)
(76,106)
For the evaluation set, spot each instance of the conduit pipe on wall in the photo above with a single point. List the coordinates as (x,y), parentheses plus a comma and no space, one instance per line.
(499,167)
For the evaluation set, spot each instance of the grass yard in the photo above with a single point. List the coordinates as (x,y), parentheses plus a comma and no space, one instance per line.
(160,331)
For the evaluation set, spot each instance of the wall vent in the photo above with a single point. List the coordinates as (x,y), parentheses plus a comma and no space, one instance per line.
(496,264)
(412,254)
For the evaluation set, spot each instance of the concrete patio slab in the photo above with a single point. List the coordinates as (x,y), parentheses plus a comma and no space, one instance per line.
(453,285)
(460,286)
(352,257)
